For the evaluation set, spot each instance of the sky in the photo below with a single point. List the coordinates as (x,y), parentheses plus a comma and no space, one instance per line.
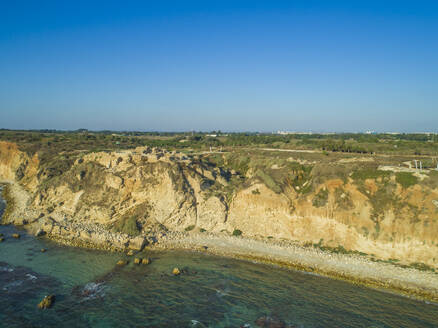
(344,66)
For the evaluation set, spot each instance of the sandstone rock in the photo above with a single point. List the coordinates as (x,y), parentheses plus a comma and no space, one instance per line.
(146,261)
(176,272)
(16,235)
(137,243)
(137,260)
(40,233)
(47,302)
(122,262)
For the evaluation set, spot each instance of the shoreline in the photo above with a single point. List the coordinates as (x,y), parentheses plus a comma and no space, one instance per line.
(355,269)
(408,282)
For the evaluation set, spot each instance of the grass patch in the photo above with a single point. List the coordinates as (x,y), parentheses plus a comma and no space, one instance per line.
(268,181)
(369,173)
(406,179)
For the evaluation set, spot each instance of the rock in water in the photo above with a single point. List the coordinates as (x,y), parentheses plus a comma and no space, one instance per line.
(176,271)
(130,253)
(16,235)
(146,261)
(1,239)
(122,262)
(43,250)
(47,302)
(137,260)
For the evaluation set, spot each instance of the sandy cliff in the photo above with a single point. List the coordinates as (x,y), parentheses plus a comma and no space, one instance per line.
(124,199)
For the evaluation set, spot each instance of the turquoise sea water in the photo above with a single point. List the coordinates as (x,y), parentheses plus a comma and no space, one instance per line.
(213,292)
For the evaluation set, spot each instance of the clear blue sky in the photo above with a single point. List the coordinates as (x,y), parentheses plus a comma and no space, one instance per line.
(228,65)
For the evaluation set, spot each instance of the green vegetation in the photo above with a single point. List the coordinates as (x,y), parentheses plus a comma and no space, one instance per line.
(369,173)
(406,179)
(128,226)
(237,232)
(189,228)
(320,198)
(268,181)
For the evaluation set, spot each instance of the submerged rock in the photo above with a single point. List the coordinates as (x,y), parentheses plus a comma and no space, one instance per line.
(43,250)
(1,239)
(122,262)
(47,302)
(16,235)
(270,322)
(176,272)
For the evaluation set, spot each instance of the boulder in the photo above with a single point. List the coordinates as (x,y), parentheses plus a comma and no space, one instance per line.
(40,233)
(146,261)
(137,243)
(137,260)
(47,302)
(176,272)
(16,235)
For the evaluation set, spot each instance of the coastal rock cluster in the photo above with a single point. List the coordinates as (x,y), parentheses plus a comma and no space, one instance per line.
(128,199)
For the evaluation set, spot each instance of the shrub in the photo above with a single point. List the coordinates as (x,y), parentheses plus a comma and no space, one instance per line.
(128,226)
(190,228)
(320,198)
(237,232)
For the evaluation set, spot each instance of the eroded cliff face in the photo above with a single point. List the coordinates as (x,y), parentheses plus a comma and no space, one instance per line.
(107,198)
